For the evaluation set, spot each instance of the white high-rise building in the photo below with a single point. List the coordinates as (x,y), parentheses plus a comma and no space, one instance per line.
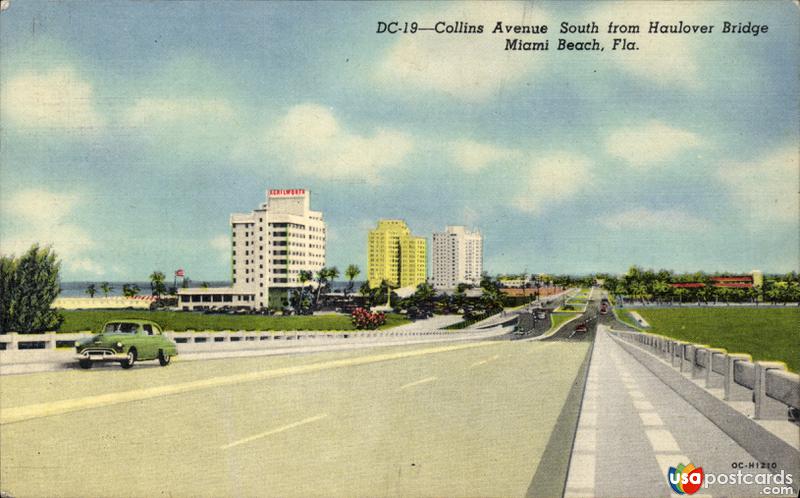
(457,257)
(269,248)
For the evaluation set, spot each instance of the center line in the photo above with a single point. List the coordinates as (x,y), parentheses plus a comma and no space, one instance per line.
(423,381)
(484,362)
(274,431)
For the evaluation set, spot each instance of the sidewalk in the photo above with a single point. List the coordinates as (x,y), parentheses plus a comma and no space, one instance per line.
(633,427)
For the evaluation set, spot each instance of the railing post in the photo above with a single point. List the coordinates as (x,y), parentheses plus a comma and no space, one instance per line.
(766,407)
(677,353)
(697,370)
(50,339)
(687,364)
(14,344)
(713,379)
(733,391)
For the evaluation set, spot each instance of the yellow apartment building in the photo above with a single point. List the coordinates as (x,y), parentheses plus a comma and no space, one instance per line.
(394,255)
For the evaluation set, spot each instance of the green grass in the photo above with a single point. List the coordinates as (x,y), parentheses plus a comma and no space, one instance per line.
(558,319)
(624,317)
(764,333)
(75,321)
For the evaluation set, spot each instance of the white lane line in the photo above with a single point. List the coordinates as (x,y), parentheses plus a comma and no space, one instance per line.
(667,460)
(636,395)
(643,405)
(273,431)
(422,381)
(662,441)
(651,419)
(484,362)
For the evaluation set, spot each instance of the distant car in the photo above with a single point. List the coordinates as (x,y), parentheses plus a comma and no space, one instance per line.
(604,308)
(581,328)
(126,341)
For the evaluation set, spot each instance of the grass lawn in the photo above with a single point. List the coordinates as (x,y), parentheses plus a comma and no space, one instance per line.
(75,321)
(579,308)
(557,319)
(764,333)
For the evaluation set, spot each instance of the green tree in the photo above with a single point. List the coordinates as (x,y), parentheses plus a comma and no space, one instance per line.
(681,293)
(105,287)
(29,286)
(351,273)
(130,290)
(157,286)
(91,290)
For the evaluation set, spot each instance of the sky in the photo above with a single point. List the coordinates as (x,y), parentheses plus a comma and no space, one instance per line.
(130,131)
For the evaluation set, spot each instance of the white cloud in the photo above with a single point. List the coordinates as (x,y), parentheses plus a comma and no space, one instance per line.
(765,190)
(553,179)
(315,144)
(45,217)
(86,265)
(650,144)
(56,99)
(672,220)
(152,111)
(469,67)
(222,245)
(664,59)
(473,156)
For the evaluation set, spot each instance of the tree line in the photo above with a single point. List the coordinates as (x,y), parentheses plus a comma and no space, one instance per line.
(651,286)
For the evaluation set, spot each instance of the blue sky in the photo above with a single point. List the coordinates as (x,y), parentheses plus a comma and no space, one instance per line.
(131,130)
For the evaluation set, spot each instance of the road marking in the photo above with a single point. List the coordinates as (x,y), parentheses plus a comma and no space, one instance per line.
(636,395)
(274,431)
(651,419)
(484,362)
(423,381)
(667,460)
(662,441)
(28,412)
(643,405)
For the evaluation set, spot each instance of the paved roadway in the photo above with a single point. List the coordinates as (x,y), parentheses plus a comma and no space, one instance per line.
(474,419)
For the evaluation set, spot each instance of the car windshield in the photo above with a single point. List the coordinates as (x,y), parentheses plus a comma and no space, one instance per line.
(121,328)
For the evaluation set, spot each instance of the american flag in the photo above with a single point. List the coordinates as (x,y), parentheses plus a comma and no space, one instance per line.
(179,272)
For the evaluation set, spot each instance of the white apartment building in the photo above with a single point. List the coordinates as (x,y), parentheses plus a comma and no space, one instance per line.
(457,257)
(269,248)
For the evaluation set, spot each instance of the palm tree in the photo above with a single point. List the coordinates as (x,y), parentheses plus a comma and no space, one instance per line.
(130,290)
(106,288)
(157,286)
(91,290)
(351,272)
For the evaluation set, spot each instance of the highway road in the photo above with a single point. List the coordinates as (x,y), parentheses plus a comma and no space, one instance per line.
(469,419)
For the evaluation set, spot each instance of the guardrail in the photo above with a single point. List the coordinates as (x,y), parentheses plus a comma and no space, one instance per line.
(767,384)
(13,341)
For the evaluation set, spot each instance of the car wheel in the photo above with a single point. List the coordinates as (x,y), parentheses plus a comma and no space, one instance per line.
(85,364)
(163,358)
(128,362)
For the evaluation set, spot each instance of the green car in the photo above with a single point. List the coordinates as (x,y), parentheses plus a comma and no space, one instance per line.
(126,341)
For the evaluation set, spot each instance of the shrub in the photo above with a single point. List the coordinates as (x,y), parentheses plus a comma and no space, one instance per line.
(365,319)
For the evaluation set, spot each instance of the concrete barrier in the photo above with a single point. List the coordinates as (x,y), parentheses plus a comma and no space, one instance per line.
(222,339)
(768,385)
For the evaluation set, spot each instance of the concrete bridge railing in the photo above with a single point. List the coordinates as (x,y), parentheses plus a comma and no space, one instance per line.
(767,384)
(13,341)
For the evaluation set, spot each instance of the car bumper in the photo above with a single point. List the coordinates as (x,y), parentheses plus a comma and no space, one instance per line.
(101,356)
